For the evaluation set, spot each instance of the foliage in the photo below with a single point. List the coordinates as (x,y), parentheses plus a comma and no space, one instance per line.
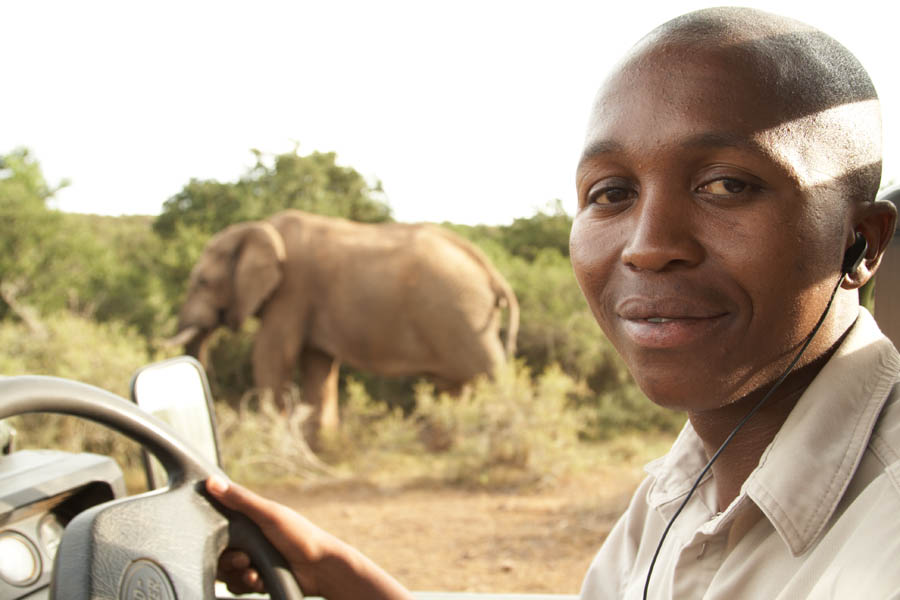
(173,265)
(260,444)
(101,354)
(626,409)
(546,230)
(525,237)
(517,430)
(31,234)
(99,267)
(511,430)
(558,327)
(120,265)
(314,183)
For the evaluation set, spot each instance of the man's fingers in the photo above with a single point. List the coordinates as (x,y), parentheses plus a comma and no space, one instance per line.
(239,498)
(249,582)
(233,560)
(253,581)
(236,571)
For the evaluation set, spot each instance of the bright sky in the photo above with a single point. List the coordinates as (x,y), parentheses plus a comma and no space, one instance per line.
(467,111)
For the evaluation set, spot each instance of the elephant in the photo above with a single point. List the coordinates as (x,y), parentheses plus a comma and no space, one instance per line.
(394,299)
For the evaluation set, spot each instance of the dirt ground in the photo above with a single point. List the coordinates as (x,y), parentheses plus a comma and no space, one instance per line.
(539,540)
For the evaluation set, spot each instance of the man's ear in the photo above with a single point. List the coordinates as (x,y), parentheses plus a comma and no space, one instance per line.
(876,221)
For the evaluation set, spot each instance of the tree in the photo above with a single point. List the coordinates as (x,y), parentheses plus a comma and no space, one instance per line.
(120,277)
(30,237)
(314,183)
(528,237)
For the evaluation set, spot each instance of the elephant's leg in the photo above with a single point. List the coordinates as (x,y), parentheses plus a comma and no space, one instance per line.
(446,386)
(273,362)
(320,387)
(270,377)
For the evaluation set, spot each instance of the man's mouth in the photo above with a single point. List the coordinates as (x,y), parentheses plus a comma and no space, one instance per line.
(668,322)
(657,313)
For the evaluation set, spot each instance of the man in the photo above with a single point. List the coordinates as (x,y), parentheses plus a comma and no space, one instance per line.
(730,162)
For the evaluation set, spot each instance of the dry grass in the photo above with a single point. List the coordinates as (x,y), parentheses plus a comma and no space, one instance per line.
(515,431)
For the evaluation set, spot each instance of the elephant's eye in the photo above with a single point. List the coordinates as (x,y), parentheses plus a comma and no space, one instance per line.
(201,281)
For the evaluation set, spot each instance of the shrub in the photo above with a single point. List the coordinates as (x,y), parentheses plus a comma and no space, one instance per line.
(512,430)
(101,354)
(628,410)
(104,355)
(259,444)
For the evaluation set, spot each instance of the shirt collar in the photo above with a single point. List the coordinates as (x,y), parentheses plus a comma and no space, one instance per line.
(806,469)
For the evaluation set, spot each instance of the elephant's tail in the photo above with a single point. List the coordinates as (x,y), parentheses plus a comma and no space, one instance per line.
(506,296)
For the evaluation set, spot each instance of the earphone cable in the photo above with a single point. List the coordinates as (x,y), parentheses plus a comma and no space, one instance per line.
(734,432)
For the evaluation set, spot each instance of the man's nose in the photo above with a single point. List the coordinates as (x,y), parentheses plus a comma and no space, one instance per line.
(663,233)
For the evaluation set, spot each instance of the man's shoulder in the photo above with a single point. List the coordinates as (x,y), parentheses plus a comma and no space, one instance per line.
(880,464)
(884,445)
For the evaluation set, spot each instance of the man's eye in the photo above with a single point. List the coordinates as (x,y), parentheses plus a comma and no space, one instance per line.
(608,195)
(724,187)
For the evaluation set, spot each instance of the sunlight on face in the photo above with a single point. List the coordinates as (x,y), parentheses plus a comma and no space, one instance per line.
(817,146)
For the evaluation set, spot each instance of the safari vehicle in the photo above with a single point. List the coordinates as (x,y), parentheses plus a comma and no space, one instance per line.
(68,529)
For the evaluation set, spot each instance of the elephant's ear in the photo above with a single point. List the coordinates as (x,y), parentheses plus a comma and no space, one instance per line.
(258,265)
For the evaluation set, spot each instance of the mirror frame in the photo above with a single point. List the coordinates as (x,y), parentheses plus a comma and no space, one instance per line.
(154,475)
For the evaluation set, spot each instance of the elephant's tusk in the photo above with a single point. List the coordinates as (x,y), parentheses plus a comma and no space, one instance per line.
(182,337)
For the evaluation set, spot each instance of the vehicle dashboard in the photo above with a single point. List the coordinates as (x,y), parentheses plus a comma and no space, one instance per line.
(40,492)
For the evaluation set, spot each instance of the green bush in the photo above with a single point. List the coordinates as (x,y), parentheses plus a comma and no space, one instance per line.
(120,261)
(511,430)
(627,410)
(314,183)
(101,354)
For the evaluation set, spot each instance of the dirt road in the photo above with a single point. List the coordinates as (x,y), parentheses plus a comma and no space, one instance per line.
(455,540)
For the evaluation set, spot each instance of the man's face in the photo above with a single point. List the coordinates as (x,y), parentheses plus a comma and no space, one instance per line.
(702,250)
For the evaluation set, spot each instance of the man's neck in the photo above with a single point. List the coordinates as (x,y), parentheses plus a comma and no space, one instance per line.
(742,454)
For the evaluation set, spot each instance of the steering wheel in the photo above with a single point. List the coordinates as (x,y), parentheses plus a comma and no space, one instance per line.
(163,544)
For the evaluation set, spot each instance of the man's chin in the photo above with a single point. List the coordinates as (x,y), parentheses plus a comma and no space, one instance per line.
(688,393)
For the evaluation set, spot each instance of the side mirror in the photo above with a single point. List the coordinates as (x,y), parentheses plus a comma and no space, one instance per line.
(7,438)
(176,391)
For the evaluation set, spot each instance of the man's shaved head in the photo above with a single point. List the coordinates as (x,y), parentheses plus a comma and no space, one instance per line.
(827,105)
(730,161)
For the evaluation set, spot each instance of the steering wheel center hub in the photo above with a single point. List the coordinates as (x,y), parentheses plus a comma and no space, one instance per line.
(145,580)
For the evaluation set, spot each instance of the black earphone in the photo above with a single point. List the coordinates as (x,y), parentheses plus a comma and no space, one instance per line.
(855,254)
(853,257)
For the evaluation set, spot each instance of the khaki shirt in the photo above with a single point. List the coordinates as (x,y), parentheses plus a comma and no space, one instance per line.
(818,518)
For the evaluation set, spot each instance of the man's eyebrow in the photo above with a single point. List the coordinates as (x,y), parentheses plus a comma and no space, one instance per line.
(600,147)
(701,140)
(721,140)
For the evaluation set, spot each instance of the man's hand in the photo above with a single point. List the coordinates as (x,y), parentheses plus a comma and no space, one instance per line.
(236,570)
(322,564)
